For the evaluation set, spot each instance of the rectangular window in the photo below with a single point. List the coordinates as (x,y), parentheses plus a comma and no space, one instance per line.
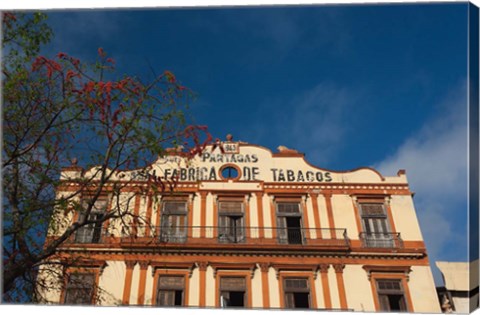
(170,290)
(79,289)
(375,226)
(174,222)
(297,293)
(390,295)
(289,223)
(231,222)
(232,292)
(92,232)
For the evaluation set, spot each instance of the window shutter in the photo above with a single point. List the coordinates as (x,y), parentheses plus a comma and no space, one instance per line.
(289,300)
(79,289)
(232,284)
(166,298)
(288,207)
(282,230)
(174,207)
(296,285)
(402,304)
(230,207)
(224,228)
(171,282)
(384,304)
(372,209)
(240,226)
(389,286)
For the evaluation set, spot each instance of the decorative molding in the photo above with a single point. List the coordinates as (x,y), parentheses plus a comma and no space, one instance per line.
(202,265)
(234,266)
(339,268)
(387,270)
(173,265)
(144,264)
(264,267)
(130,264)
(295,267)
(323,268)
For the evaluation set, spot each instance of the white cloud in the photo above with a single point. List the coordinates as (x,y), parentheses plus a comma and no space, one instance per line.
(435,159)
(312,122)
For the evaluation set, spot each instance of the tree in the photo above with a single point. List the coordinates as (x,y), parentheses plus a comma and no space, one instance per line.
(60,110)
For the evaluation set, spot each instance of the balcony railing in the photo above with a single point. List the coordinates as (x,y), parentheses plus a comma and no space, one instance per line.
(238,235)
(381,240)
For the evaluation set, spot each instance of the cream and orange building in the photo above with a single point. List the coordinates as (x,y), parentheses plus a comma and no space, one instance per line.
(248,228)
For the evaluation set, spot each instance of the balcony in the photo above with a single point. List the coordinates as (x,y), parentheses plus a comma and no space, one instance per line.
(215,237)
(381,240)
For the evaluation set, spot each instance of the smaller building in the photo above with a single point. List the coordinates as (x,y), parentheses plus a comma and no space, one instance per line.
(460,293)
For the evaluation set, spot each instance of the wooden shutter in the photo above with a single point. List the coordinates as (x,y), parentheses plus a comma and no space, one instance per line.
(174,207)
(240,229)
(166,298)
(174,221)
(390,288)
(79,290)
(231,221)
(224,299)
(167,285)
(384,303)
(296,285)
(288,207)
(282,230)
(233,284)
(224,228)
(289,300)
(372,209)
(171,282)
(91,233)
(230,207)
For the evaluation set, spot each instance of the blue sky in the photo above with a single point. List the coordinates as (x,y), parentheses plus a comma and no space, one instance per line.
(348,85)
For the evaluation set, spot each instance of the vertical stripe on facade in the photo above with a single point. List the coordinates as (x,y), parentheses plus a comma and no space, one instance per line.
(149,214)
(264,267)
(203,212)
(341,285)
(331,222)
(127,287)
(142,282)
(316,213)
(202,266)
(327,299)
(261,224)
(273,217)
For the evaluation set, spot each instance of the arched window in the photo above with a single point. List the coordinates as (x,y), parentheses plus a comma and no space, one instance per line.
(229,172)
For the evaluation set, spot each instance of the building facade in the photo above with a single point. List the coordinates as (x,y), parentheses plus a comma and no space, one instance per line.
(251,228)
(460,291)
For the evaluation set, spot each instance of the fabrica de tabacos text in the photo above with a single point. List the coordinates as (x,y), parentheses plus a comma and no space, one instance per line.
(246,163)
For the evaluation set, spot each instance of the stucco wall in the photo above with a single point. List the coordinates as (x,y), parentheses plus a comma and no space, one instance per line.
(51,276)
(405,218)
(422,290)
(210,288)
(274,293)
(111,283)
(194,288)
(358,289)
(344,215)
(257,293)
(319,291)
(332,283)
(135,283)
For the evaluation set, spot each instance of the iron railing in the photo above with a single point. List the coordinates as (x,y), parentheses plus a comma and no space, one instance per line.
(381,240)
(219,235)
